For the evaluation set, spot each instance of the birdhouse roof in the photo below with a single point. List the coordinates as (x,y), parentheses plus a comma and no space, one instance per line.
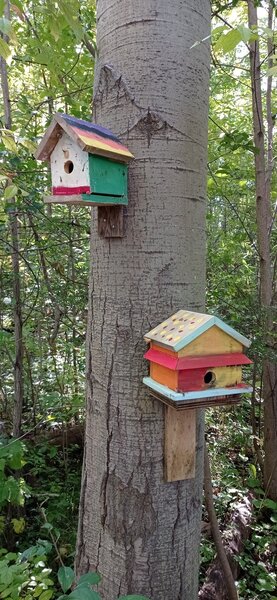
(90,137)
(184,326)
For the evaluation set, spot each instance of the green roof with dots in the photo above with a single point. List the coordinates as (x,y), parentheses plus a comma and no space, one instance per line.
(184,326)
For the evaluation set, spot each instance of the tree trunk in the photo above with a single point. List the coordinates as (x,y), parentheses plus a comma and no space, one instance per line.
(14,228)
(264,224)
(151,89)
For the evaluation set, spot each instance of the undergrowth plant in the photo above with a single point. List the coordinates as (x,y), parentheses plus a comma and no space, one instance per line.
(26,575)
(236,475)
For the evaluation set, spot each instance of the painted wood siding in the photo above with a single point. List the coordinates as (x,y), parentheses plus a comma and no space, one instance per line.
(67,150)
(213,341)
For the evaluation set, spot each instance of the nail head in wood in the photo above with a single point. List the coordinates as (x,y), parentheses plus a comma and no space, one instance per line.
(110,221)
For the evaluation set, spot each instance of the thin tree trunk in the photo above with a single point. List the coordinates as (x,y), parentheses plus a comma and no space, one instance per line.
(225,575)
(151,89)
(263,214)
(18,341)
(13,218)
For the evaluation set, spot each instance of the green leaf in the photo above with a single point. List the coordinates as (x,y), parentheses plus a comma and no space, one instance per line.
(48,526)
(55,30)
(270,504)
(8,140)
(46,595)
(66,577)
(38,591)
(90,578)
(251,467)
(228,42)
(219,29)
(10,191)
(5,50)
(72,20)
(272,71)
(28,144)
(269,33)
(245,33)
(18,525)
(84,592)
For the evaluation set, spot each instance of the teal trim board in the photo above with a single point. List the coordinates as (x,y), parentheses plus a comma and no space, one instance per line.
(181,397)
(105,200)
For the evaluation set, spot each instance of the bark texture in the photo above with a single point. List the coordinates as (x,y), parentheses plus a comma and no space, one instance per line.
(151,89)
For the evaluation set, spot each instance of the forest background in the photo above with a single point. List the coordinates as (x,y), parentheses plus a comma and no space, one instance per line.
(47,60)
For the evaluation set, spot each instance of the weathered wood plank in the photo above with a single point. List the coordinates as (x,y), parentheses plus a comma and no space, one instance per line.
(110,221)
(49,141)
(179,447)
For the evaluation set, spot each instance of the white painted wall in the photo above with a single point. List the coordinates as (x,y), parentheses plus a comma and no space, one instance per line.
(65,150)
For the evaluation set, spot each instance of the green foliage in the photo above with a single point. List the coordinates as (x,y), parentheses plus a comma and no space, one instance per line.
(26,575)
(50,54)
(235,476)
(13,489)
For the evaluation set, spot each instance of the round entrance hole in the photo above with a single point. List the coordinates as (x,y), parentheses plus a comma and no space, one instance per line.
(68,166)
(209,378)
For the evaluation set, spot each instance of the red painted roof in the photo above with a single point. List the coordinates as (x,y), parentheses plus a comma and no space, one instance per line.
(198,362)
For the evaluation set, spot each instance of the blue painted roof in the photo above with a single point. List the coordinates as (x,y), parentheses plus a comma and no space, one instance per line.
(87,126)
(185,326)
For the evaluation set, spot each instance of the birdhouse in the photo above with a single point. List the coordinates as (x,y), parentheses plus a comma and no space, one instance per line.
(196,361)
(88,163)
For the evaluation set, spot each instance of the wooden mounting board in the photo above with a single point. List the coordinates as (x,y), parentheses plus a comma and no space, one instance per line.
(110,221)
(201,403)
(179,444)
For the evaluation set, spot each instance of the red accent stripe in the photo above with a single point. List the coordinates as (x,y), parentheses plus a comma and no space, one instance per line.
(99,138)
(66,191)
(184,363)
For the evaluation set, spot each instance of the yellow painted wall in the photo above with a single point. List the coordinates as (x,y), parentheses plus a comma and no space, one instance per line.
(227,376)
(213,341)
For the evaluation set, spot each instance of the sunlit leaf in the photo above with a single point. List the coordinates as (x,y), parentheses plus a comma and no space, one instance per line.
(46,595)
(8,141)
(245,33)
(228,42)
(5,50)
(272,71)
(18,525)
(10,191)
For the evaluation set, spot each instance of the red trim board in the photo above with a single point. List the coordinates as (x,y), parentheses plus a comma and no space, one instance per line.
(183,363)
(69,191)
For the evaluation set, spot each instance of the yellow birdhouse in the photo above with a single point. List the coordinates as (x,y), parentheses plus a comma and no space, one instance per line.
(196,359)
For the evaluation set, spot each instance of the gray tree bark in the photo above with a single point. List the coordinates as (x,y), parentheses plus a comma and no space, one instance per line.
(151,89)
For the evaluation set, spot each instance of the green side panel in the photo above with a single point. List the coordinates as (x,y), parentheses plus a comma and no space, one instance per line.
(97,200)
(107,176)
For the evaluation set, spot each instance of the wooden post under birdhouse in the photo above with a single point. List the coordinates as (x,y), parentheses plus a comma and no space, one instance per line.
(195,362)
